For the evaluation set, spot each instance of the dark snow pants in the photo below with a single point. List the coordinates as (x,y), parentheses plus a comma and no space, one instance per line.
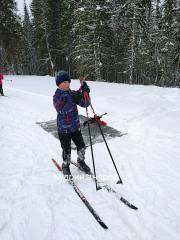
(65,140)
(1,90)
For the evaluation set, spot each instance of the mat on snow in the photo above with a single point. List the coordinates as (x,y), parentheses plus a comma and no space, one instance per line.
(109,132)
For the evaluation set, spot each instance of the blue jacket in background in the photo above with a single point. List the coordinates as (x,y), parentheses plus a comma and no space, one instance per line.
(67,112)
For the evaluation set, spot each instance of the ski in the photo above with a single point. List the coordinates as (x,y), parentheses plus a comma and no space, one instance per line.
(110,189)
(82,197)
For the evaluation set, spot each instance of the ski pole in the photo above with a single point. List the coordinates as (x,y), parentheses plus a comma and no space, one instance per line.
(120,180)
(86,98)
(92,154)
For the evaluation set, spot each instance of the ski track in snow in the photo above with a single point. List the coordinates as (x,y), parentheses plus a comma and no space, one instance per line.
(36,204)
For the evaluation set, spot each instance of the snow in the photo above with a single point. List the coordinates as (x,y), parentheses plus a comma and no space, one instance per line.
(20,5)
(34,201)
(98,7)
(81,9)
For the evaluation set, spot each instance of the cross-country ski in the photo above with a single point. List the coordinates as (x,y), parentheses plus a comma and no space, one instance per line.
(82,197)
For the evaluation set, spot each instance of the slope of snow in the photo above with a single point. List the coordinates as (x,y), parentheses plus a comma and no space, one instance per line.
(35,202)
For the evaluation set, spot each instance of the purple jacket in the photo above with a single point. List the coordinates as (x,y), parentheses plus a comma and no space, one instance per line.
(1,78)
(67,112)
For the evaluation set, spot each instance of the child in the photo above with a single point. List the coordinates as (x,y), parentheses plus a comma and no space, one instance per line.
(1,88)
(68,124)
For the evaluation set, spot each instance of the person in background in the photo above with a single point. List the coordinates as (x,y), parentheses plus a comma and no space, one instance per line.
(1,84)
(65,102)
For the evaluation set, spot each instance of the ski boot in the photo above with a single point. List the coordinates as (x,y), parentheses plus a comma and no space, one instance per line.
(84,167)
(66,171)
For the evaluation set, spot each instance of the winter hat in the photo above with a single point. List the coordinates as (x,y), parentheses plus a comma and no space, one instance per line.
(62,76)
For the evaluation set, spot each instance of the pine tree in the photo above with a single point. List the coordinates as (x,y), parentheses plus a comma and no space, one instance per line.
(65,35)
(51,21)
(156,39)
(130,25)
(37,9)
(169,43)
(176,61)
(134,42)
(10,30)
(28,52)
(93,53)
(53,13)
(144,66)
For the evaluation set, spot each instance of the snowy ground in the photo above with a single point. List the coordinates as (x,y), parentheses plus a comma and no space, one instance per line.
(34,202)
